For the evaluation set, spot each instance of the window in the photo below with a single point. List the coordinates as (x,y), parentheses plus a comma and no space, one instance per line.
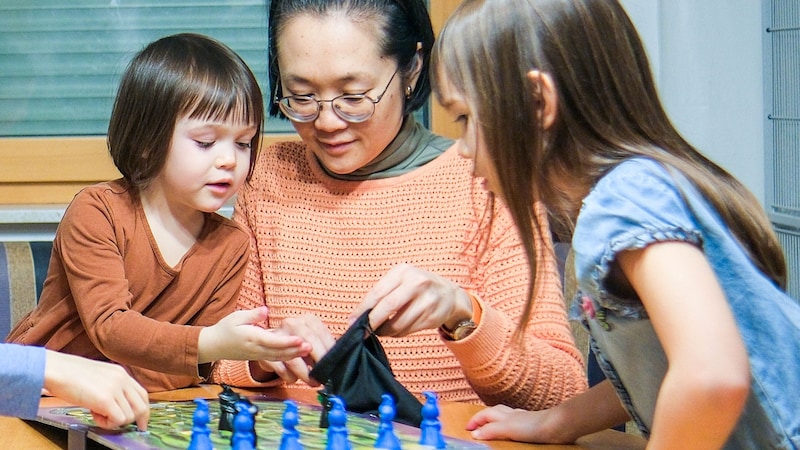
(61,63)
(62,60)
(782,129)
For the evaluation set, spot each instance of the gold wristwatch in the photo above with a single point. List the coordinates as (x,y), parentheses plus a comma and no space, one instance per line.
(461,330)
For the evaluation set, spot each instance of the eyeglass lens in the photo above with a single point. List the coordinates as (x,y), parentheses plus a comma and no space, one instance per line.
(353,108)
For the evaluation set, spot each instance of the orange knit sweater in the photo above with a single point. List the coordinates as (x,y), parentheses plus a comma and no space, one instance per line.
(319,244)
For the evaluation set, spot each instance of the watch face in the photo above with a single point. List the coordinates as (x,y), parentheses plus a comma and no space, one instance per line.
(463,330)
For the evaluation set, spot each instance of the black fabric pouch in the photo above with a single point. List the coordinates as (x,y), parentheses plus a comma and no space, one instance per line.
(357,370)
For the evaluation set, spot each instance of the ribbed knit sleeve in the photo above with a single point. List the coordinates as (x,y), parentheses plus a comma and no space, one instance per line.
(319,244)
(545,367)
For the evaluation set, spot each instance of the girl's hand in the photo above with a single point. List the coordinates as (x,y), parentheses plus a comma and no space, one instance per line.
(591,411)
(408,299)
(237,337)
(112,396)
(502,422)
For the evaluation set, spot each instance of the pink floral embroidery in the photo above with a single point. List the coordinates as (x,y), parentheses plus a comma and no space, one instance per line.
(588,307)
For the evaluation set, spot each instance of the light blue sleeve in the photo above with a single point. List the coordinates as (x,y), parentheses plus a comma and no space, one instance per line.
(21,379)
(634,205)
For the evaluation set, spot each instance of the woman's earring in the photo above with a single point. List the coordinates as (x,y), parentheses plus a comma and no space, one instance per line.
(409,91)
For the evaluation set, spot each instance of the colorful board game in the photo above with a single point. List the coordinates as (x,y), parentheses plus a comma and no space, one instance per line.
(170,427)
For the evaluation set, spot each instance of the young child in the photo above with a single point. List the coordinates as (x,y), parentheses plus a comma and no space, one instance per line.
(680,275)
(144,272)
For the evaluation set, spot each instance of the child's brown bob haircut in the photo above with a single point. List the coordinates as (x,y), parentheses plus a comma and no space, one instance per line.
(174,77)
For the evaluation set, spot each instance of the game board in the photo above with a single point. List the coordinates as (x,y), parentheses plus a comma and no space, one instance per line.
(170,427)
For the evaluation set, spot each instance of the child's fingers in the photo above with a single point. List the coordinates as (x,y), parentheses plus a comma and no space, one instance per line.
(140,404)
(279,346)
(487,415)
(101,420)
(491,431)
(249,316)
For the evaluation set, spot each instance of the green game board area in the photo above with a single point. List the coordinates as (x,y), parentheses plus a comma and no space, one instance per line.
(170,427)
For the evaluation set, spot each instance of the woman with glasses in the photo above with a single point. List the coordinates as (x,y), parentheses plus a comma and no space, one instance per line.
(372,211)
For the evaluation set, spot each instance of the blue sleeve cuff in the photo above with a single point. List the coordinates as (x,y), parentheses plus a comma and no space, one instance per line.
(22,379)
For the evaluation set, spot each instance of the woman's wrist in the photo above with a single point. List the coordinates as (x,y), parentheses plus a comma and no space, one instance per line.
(463,311)
(462,325)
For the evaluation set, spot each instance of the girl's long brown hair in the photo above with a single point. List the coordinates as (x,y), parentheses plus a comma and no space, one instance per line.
(608,111)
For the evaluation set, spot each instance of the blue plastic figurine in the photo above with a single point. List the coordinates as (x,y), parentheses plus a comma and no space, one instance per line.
(337,426)
(201,434)
(431,428)
(290,439)
(243,437)
(387,440)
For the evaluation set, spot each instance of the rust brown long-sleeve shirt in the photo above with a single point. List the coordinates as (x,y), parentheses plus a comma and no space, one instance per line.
(109,295)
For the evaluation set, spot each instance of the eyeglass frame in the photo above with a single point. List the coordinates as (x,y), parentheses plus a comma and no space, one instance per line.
(278,100)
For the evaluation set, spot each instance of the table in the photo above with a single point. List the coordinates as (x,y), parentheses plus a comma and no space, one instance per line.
(30,435)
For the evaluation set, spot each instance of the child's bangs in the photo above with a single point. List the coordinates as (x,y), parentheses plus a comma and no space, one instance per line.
(221,103)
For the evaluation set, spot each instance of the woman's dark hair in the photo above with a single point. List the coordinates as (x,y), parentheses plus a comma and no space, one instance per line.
(180,75)
(403,23)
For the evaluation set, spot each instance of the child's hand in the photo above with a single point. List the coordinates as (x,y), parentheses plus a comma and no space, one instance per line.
(502,422)
(237,337)
(113,397)
(588,412)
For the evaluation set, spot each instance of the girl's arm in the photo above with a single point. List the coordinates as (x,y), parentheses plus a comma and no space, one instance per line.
(706,385)
(594,410)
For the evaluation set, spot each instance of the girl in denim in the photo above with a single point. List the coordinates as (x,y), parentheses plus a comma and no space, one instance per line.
(680,275)
(639,203)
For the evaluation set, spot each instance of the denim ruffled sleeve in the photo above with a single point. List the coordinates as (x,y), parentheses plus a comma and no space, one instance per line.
(22,379)
(634,205)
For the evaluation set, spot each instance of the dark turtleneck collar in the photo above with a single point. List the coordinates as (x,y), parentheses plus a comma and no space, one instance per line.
(414,146)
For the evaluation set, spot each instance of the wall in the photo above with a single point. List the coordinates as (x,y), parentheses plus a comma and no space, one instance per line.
(707,59)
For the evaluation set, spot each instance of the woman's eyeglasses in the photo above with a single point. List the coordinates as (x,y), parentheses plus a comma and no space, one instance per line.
(353,108)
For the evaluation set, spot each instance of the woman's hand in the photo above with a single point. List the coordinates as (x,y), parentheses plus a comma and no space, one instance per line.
(316,334)
(408,299)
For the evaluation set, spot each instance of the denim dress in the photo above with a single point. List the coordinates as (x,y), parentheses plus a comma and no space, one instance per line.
(638,203)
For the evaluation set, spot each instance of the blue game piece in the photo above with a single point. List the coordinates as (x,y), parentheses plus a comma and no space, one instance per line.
(337,426)
(201,435)
(386,438)
(290,439)
(243,436)
(431,428)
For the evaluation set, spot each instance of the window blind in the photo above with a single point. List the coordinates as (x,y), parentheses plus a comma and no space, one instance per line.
(782,129)
(60,62)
